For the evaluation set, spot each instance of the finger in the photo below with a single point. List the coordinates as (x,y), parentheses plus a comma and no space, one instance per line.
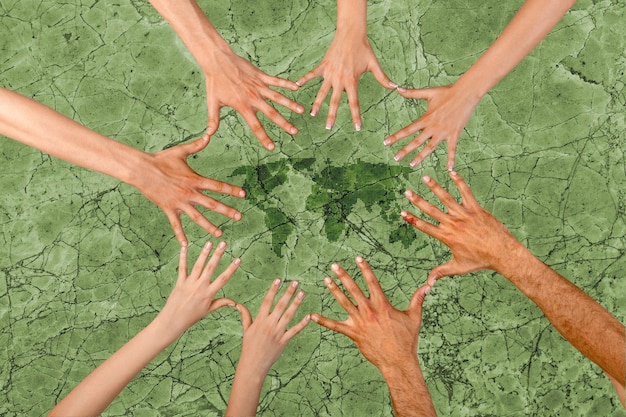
(246,317)
(427,150)
(195,146)
(333,325)
(289,334)
(442,194)
(372,282)
(319,99)
(268,300)
(412,145)
(284,101)
(414,127)
(280,82)
(424,205)
(218,207)
(177,227)
(211,266)
(353,289)
(466,194)
(277,118)
(335,100)
(258,130)
(216,186)
(417,301)
(214,108)
(381,77)
(444,270)
(221,302)
(291,311)
(314,73)
(451,153)
(202,221)
(355,109)
(225,276)
(283,301)
(419,93)
(182,263)
(420,224)
(199,265)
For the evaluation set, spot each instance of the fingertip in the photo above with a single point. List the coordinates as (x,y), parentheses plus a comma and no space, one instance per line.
(222,245)
(334,267)
(404,214)
(314,112)
(237,216)
(307,318)
(270,146)
(217,233)
(453,173)
(299,109)
(359,259)
(408,193)
(329,125)
(242,193)
(314,317)
(386,142)
(237,261)
(357,127)
(208,245)
(426,179)
(328,281)
(401,89)
(276,282)
(293,130)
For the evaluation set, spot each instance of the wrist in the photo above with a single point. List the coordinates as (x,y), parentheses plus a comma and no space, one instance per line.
(166,329)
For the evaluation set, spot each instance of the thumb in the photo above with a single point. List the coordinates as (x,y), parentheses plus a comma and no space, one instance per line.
(221,302)
(197,145)
(444,270)
(381,77)
(214,117)
(246,317)
(415,306)
(419,93)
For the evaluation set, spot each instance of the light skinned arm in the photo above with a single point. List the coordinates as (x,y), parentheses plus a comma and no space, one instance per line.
(349,56)
(450,107)
(386,336)
(192,298)
(230,80)
(263,342)
(479,241)
(163,177)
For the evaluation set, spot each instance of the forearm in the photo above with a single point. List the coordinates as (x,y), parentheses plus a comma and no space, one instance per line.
(534,20)
(245,392)
(408,390)
(37,125)
(193,27)
(580,319)
(352,17)
(94,394)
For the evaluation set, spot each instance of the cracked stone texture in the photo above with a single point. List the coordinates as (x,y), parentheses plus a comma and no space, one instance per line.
(86,262)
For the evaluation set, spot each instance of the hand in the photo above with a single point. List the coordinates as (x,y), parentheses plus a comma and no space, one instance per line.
(265,339)
(476,238)
(347,58)
(449,109)
(169,182)
(387,337)
(193,296)
(234,82)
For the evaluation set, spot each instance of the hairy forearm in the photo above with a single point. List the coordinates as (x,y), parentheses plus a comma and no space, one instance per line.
(193,27)
(94,394)
(534,20)
(37,125)
(579,318)
(408,390)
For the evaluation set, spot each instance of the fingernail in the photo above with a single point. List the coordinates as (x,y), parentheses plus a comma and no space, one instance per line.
(222,245)
(237,216)
(401,89)
(408,193)
(237,261)
(298,83)
(426,178)
(218,233)
(295,284)
(242,193)
(184,249)
(413,164)
(396,158)
(334,267)
(357,127)
(300,109)
(300,295)
(427,290)
(329,125)
(453,173)
(271,147)
(293,130)
(328,281)
(386,142)
(359,259)
(277,281)
(307,318)
(313,112)
(403,213)
(208,245)
(314,317)
(392,84)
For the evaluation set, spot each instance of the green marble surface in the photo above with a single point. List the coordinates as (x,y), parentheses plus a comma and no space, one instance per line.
(86,262)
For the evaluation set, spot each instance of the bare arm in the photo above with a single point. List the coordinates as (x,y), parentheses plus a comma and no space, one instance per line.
(386,337)
(450,107)
(230,80)
(164,177)
(191,299)
(479,241)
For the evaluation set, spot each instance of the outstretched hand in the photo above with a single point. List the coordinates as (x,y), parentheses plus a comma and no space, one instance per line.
(476,238)
(234,82)
(347,58)
(169,182)
(449,110)
(386,336)
(193,296)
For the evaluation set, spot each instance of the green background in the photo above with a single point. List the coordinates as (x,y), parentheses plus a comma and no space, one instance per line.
(86,262)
